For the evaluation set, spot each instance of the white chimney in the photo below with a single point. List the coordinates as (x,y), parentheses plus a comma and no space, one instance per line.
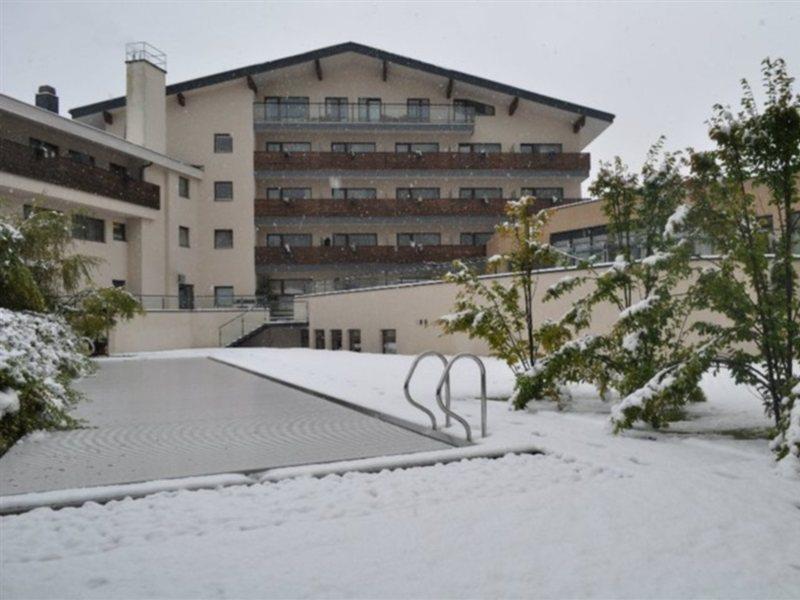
(146,104)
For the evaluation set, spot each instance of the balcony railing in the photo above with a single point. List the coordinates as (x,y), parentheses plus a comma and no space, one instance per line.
(268,162)
(314,255)
(26,161)
(400,116)
(392,207)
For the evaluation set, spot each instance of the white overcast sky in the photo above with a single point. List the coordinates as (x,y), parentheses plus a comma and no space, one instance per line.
(659,67)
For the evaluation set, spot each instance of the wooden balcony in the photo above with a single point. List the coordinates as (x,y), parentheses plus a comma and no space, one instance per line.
(563,163)
(390,207)
(24,161)
(318,255)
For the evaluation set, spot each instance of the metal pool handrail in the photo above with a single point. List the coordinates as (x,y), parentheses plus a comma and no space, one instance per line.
(446,408)
(407,383)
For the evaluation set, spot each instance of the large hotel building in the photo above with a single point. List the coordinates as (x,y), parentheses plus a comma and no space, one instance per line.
(335,169)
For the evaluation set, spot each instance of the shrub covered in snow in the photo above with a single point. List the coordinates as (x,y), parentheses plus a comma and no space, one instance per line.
(502,313)
(754,282)
(646,358)
(39,356)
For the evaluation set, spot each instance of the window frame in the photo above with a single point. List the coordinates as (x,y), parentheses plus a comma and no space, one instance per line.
(217,295)
(386,342)
(223,143)
(407,193)
(282,239)
(81,228)
(537,148)
(116,228)
(347,239)
(473,236)
(184,234)
(217,197)
(413,242)
(218,232)
(354,340)
(184,187)
(472,193)
(319,339)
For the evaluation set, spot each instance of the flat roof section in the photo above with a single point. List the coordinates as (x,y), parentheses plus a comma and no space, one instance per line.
(169,418)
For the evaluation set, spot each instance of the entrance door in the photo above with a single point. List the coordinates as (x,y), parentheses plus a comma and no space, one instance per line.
(185,296)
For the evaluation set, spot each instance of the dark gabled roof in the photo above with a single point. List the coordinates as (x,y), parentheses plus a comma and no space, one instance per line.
(289,61)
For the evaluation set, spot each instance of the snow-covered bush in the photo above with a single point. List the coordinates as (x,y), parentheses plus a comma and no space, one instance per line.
(501,313)
(39,356)
(646,358)
(754,279)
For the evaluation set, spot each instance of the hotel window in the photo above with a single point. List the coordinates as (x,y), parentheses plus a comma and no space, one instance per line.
(81,157)
(304,337)
(289,287)
(88,229)
(288,146)
(417,148)
(480,193)
(353,147)
(293,240)
(43,149)
(118,232)
(319,339)
(223,238)
(118,283)
(336,339)
(183,187)
(223,191)
(418,109)
(485,148)
(354,340)
(583,243)
(291,108)
(417,193)
(354,193)
(183,236)
(476,239)
(336,109)
(465,110)
(120,170)
(554,194)
(389,341)
(288,193)
(355,239)
(369,109)
(540,148)
(223,143)
(223,295)
(419,239)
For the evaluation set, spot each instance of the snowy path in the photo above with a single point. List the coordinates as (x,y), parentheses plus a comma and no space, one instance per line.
(642,515)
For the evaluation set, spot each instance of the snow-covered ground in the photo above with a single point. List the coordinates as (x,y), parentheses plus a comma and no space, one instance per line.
(681,514)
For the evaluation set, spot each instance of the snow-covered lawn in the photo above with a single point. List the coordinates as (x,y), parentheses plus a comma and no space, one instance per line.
(642,515)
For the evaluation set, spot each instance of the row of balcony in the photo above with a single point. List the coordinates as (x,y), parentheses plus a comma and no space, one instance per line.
(25,161)
(317,255)
(392,207)
(372,115)
(560,163)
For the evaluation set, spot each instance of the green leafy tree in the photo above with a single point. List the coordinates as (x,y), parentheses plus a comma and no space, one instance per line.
(754,279)
(646,357)
(502,312)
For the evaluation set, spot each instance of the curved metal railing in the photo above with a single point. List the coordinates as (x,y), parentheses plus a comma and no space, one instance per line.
(446,407)
(407,384)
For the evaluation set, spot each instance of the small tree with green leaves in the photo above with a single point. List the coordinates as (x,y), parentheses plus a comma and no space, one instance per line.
(754,279)
(502,312)
(645,357)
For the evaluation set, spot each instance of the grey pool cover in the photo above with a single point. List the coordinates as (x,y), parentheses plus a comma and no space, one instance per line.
(166,418)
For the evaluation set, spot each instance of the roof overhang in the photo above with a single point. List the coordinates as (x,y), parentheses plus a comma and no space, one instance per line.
(92,134)
(388,57)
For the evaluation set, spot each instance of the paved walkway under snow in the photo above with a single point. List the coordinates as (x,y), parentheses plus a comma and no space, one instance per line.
(165,418)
